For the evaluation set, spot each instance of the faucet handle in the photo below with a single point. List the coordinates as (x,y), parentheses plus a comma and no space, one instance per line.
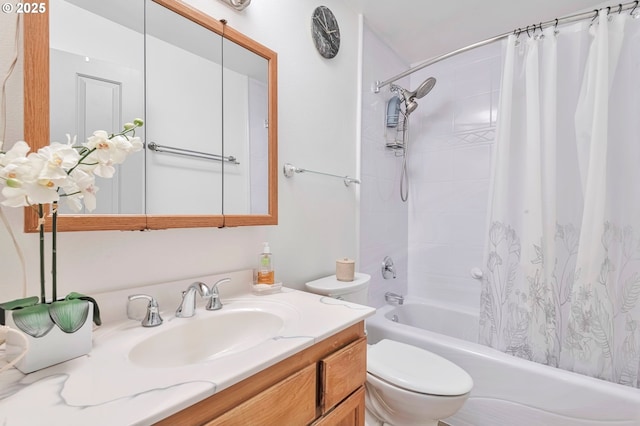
(152,318)
(214,302)
(387,268)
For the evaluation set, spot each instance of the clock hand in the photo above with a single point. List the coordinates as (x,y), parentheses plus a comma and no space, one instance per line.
(324,25)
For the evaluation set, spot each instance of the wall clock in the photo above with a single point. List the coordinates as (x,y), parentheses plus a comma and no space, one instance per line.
(325,32)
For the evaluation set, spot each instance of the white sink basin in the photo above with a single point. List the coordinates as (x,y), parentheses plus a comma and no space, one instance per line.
(207,336)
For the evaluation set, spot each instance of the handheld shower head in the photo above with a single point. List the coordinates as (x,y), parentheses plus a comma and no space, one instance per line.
(425,88)
(409,98)
(421,91)
(410,105)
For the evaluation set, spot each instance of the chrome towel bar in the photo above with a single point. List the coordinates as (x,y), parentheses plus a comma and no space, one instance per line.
(289,170)
(182,151)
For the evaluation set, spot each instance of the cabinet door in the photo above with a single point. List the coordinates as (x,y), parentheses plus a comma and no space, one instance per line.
(343,372)
(349,413)
(289,402)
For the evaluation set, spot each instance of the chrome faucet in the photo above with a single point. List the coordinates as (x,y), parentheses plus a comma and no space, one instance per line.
(393,298)
(152,318)
(214,302)
(187,307)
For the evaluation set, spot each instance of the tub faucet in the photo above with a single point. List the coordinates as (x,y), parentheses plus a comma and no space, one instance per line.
(214,302)
(187,307)
(393,298)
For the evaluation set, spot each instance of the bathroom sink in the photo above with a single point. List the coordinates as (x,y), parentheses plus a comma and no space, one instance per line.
(206,336)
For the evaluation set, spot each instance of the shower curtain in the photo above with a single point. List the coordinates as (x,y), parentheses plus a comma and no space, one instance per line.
(562,262)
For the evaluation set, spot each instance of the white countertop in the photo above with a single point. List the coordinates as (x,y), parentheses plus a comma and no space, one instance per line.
(107,388)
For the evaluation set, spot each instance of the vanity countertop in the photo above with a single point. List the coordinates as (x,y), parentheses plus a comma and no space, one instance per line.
(106,387)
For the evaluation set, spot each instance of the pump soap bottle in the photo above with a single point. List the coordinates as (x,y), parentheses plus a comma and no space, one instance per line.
(266,275)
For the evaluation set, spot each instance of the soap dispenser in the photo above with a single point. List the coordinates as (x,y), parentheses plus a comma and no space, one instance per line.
(266,275)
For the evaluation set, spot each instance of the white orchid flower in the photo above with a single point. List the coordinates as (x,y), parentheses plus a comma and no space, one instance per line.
(21,175)
(58,158)
(101,145)
(136,144)
(104,170)
(14,197)
(80,187)
(30,193)
(19,149)
(18,171)
(35,178)
(123,147)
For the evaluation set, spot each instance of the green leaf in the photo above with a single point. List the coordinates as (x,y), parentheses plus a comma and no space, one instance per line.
(33,320)
(69,315)
(96,309)
(20,303)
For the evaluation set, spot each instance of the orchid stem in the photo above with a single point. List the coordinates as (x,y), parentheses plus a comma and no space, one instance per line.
(85,155)
(54,251)
(41,230)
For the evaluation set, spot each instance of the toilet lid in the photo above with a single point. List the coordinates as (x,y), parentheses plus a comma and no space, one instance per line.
(415,369)
(330,286)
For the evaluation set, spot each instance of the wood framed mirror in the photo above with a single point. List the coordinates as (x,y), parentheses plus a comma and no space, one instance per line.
(233,212)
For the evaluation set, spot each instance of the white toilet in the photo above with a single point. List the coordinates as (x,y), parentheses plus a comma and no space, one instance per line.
(406,385)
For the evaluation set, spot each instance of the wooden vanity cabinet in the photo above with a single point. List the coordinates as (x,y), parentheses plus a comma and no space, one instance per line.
(348,413)
(322,385)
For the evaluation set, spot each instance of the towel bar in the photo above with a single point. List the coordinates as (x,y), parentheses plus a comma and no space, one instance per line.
(290,169)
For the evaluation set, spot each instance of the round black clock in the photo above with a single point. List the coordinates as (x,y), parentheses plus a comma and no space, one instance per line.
(325,32)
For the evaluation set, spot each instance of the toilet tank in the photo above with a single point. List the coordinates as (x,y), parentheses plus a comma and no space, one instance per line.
(356,291)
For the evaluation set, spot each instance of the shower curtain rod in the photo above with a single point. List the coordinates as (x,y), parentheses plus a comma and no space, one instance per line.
(533,28)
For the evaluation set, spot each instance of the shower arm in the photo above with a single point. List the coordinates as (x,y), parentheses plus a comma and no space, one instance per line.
(553,23)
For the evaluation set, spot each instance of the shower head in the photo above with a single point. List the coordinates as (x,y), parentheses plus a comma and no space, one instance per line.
(420,92)
(425,88)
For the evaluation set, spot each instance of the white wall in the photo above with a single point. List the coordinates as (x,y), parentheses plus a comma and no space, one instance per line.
(12,129)
(317,215)
(11,276)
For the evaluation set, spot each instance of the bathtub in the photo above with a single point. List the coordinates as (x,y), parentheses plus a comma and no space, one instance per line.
(507,390)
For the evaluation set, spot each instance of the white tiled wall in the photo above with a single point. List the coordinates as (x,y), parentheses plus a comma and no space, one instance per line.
(438,236)
(452,134)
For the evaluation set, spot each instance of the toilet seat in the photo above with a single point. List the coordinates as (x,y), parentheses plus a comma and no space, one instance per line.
(417,370)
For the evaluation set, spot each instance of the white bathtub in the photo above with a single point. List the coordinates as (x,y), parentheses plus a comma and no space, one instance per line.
(507,390)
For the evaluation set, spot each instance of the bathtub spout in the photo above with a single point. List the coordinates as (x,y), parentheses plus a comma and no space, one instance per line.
(393,298)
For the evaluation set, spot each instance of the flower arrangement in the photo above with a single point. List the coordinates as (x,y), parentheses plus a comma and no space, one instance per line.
(59,171)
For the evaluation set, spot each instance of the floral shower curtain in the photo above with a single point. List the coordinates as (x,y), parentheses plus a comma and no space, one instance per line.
(562,272)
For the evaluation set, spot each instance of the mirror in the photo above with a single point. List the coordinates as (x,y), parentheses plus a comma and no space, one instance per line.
(245,131)
(184,114)
(233,184)
(98,81)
